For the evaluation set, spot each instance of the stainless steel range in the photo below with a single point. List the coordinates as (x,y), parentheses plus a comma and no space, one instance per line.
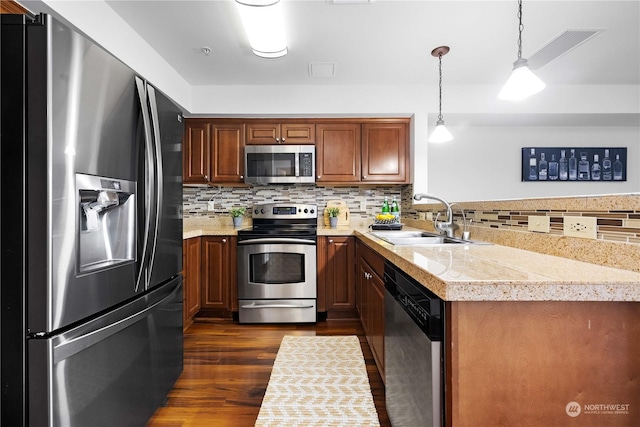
(277,265)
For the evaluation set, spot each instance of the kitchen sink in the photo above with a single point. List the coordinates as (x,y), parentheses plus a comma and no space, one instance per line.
(417,238)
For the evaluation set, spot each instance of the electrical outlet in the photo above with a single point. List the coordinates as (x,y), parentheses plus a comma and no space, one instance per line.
(580,226)
(429,216)
(541,224)
(421,216)
(363,206)
(211,205)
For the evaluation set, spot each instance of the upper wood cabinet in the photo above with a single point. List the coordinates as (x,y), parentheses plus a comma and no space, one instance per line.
(227,153)
(369,152)
(385,152)
(213,152)
(195,152)
(270,132)
(348,151)
(338,152)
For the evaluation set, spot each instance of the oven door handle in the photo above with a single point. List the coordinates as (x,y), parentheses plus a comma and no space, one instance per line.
(276,241)
(274,305)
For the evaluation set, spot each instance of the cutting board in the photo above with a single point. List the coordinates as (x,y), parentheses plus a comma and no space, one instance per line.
(343,216)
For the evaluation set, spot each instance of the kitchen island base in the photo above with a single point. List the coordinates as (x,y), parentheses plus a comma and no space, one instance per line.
(543,363)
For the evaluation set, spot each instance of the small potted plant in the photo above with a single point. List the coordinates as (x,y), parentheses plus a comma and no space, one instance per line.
(237,214)
(333,213)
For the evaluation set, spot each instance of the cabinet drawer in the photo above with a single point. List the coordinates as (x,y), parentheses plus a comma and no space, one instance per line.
(372,258)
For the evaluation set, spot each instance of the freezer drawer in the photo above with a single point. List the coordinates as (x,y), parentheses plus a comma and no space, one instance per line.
(114,370)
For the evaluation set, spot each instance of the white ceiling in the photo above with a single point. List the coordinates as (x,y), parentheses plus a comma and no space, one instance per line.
(389,42)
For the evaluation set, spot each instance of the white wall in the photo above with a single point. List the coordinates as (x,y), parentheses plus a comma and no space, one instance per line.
(100,23)
(452,170)
(460,103)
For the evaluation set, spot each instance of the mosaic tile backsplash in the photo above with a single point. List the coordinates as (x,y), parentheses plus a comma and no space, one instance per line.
(195,199)
(500,222)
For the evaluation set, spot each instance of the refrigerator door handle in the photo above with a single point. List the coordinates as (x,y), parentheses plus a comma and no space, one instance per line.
(157,144)
(75,345)
(148,183)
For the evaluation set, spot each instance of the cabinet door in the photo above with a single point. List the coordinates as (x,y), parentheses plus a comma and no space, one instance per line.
(195,152)
(227,153)
(385,152)
(340,272)
(263,132)
(192,275)
(338,152)
(376,325)
(298,133)
(216,273)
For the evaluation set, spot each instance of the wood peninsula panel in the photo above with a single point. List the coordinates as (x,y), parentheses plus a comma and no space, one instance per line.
(524,363)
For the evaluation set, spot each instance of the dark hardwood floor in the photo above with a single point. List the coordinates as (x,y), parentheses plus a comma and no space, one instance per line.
(227,368)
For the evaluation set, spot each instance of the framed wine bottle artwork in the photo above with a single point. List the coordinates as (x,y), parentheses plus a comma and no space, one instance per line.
(558,164)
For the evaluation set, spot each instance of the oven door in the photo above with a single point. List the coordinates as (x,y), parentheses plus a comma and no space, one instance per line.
(276,268)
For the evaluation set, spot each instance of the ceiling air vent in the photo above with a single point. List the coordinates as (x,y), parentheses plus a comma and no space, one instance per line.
(565,42)
(322,69)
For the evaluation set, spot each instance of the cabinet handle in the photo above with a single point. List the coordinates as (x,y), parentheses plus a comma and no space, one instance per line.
(278,140)
(206,177)
(319,176)
(224,240)
(283,140)
(241,176)
(364,176)
(330,241)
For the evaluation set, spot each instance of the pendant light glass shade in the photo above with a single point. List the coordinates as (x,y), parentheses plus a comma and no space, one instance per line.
(440,133)
(264,23)
(522,83)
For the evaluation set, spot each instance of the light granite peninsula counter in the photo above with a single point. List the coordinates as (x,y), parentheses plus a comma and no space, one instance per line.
(531,339)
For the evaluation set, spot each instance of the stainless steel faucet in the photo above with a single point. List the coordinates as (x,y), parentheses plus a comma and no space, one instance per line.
(444,227)
(465,232)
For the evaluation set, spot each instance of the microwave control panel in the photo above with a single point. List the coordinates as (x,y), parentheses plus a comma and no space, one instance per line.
(306,164)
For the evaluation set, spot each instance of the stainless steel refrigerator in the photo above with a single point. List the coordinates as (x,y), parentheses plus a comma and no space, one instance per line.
(91,233)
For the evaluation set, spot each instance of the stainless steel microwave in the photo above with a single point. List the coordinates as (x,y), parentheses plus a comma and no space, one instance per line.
(279,164)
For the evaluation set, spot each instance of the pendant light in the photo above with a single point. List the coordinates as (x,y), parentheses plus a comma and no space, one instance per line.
(440,133)
(522,83)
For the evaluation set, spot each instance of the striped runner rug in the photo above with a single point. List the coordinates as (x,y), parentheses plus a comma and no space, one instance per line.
(318,381)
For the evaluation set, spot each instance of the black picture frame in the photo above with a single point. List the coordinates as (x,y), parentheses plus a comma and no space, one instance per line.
(547,163)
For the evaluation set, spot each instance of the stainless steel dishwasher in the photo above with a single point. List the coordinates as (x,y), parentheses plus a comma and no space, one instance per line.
(414,352)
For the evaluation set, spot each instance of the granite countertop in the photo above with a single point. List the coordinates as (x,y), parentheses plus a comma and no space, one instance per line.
(485,272)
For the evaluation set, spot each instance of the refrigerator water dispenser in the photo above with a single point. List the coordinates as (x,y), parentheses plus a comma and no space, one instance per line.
(106,222)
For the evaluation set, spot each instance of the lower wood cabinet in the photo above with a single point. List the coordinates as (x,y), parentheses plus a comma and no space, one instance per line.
(219,276)
(336,276)
(191,262)
(370,300)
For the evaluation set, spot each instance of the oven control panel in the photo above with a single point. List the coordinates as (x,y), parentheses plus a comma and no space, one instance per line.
(285,211)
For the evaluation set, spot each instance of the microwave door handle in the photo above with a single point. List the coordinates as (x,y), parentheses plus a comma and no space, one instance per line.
(297,162)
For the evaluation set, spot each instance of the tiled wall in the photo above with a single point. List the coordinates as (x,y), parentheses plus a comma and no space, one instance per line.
(505,223)
(500,222)
(195,198)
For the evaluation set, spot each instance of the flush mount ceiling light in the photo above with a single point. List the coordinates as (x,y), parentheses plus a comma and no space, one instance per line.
(440,133)
(264,23)
(522,83)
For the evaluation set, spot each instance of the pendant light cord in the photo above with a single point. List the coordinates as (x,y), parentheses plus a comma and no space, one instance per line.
(520,29)
(440,70)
